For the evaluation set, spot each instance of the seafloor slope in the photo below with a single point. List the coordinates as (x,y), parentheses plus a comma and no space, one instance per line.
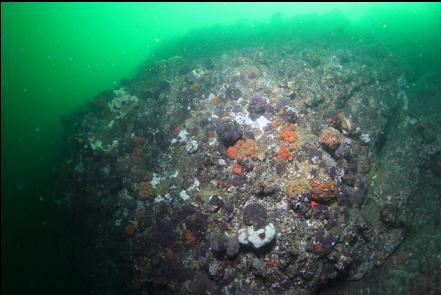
(262,170)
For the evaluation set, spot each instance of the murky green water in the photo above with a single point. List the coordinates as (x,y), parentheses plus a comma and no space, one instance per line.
(57,56)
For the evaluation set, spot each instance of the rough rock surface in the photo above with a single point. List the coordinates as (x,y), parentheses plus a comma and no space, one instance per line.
(163,175)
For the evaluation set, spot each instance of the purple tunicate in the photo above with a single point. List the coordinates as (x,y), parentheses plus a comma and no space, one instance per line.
(229,133)
(281,168)
(257,105)
(255,214)
(238,180)
(342,151)
(289,116)
(347,141)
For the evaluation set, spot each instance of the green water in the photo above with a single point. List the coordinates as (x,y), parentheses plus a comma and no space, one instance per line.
(56,56)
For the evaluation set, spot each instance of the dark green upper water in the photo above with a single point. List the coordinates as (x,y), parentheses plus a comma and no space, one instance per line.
(54,57)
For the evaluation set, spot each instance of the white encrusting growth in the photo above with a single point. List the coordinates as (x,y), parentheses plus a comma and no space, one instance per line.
(244,119)
(257,238)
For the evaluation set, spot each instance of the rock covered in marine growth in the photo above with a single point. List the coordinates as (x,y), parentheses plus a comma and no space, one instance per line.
(223,244)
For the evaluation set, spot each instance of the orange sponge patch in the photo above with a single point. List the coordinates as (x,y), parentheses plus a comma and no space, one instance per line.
(283,154)
(288,134)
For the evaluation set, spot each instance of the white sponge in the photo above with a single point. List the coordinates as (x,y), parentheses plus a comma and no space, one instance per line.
(257,238)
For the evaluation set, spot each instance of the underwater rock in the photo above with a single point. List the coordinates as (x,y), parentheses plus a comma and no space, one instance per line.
(263,189)
(324,243)
(435,165)
(200,284)
(228,212)
(232,93)
(191,146)
(390,215)
(215,270)
(196,159)
(233,247)
(427,132)
(259,266)
(359,195)
(218,243)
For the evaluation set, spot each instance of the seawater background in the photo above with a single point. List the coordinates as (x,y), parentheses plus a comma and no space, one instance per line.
(56,56)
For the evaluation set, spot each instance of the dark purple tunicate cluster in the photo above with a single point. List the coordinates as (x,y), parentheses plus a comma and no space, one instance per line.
(281,168)
(216,203)
(255,214)
(183,212)
(289,116)
(342,151)
(313,172)
(257,105)
(238,180)
(346,166)
(228,212)
(229,133)
(268,128)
